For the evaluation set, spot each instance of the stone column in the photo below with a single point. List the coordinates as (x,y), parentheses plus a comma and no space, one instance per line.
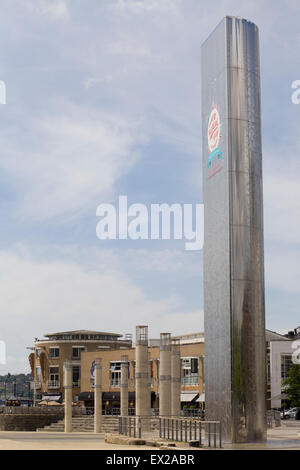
(165,375)
(34,391)
(98,397)
(143,397)
(68,396)
(124,386)
(175,380)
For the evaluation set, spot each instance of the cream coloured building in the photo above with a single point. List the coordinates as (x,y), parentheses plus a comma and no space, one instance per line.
(192,363)
(49,354)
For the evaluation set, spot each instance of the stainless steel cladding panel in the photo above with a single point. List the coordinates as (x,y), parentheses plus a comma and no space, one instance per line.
(235,353)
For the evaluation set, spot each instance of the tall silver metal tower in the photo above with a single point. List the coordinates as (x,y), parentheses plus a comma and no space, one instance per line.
(234,305)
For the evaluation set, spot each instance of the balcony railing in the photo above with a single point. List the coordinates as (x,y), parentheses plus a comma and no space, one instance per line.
(115,383)
(37,384)
(190,380)
(75,384)
(53,384)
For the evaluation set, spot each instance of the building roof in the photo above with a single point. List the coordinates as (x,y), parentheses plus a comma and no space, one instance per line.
(189,338)
(82,332)
(273,336)
(189,335)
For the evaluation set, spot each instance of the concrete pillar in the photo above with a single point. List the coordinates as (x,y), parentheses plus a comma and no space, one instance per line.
(68,396)
(98,397)
(201,380)
(175,380)
(124,386)
(165,375)
(143,396)
(34,392)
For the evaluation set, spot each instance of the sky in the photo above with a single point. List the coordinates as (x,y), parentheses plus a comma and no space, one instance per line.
(103,98)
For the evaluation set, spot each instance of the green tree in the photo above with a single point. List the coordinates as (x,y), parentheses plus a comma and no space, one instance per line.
(292,384)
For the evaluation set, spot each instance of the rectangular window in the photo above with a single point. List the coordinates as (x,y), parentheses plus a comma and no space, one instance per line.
(75,376)
(37,377)
(38,352)
(54,353)
(76,351)
(194,365)
(189,371)
(115,374)
(53,377)
(286,362)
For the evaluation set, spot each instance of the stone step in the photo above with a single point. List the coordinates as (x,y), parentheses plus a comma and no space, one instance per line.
(84,424)
(110,424)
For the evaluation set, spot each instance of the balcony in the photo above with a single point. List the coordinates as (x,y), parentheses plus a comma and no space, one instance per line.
(75,384)
(37,384)
(115,383)
(190,380)
(53,384)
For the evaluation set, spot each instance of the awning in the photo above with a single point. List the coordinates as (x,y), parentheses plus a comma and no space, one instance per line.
(282,396)
(187,397)
(109,396)
(51,397)
(86,396)
(201,398)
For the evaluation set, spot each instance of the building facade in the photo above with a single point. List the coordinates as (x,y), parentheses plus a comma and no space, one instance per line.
(82,348)
(192,383)
(49,354)
(282,351)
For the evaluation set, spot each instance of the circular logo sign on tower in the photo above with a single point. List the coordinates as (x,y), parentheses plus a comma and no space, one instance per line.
(213,132)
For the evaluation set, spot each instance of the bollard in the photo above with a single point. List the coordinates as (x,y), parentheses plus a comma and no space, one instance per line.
(68,396)
(165,399)
(143,391)
(215,435)
(98,397)
(200,434)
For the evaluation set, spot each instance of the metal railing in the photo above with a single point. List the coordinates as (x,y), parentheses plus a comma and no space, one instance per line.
(273,418)
(53,384)
(130,426)
(204,433)
(188,413)
(190,380)
(115,383)
(31,410)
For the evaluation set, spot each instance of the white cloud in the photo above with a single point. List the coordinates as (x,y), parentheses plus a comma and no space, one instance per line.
(282,194)
(81,155)
(282,270)
(282,216)
(56,9)
(142,7)
(45,296)
(92,81)
(164,261)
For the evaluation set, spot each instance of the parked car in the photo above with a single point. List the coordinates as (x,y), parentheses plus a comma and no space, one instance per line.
(290,414)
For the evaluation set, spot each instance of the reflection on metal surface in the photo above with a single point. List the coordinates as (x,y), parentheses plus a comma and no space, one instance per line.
(233,242)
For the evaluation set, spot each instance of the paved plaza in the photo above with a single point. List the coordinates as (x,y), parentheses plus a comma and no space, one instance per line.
(287,437)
